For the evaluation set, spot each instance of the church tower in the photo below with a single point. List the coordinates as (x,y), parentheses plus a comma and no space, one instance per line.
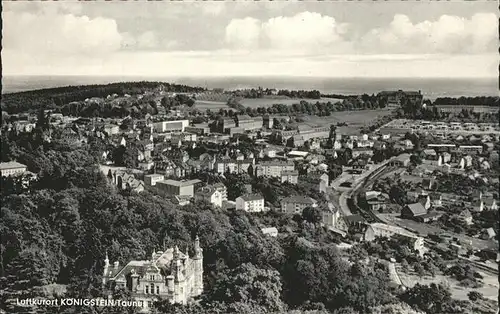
(198,266)
(105,272)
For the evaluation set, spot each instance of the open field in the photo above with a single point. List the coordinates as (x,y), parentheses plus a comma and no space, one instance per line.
(355,119)
(212,105)
(489,289)
(268,102)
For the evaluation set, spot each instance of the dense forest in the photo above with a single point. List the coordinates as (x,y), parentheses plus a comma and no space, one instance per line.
(468,101)
(259,93)
(56,97)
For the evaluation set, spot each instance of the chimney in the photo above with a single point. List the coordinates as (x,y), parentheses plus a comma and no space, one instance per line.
(116,265)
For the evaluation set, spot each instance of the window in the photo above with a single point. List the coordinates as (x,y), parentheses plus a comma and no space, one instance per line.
(157,289)
(147,289)
(152,289)
(150,304)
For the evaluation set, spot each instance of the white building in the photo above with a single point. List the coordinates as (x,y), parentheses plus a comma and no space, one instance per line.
(290,176)
(331,217)
(151,179)
(376,230)
(210,194)
(250,203)
(170,126)
(271,231)
(12,168)
(222,189)
(274,168)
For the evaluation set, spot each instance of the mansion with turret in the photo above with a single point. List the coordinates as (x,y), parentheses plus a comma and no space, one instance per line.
(169,275)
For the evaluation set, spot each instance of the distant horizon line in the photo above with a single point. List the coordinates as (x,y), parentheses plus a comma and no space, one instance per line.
(249,76)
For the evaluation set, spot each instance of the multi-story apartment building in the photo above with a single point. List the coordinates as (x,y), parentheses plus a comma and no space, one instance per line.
(249,123)
(274,168)
(176,155)
(295,204)
(233,166)
(290,176)
(225,124)
(168,275)
(250,203)
(394,98)
(199,129)
(470,148)
(170,126)
(174,187)
(222,189)
(183,137)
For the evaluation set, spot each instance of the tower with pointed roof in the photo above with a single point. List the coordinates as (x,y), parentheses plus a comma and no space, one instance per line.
(106,267)
(198,266)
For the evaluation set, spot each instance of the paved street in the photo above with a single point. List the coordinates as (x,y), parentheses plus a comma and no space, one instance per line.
(339,195)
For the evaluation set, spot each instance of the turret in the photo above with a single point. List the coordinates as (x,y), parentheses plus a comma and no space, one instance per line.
(176,253)
(198,266)
(179,275)
(198,251)
(135,280)
(106,261)
(105,270)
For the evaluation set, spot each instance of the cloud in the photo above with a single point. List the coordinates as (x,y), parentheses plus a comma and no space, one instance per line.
(243,33)
(306,31)
(311,32)
(220,38)
(448,34)
(59,33)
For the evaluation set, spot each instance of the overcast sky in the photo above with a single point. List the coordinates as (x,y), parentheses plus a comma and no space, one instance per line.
(337,39)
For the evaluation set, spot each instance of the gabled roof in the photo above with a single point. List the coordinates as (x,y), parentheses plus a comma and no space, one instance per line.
(252,197)
(378,197)
(299,199)
(243,117)
(393,229)
(11,165)
(179,183)
(417,209)
(159,260)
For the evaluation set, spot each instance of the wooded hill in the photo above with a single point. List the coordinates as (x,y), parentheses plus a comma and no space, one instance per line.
(51,98)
